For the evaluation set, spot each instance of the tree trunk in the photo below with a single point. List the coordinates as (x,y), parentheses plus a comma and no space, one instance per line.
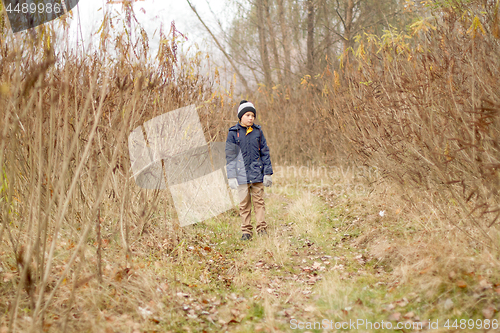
(310,37)
(328,34)
(348,24)
(266,67)
(272,36)
(286,42)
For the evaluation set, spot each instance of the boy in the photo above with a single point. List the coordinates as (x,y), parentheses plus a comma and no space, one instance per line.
(248,167)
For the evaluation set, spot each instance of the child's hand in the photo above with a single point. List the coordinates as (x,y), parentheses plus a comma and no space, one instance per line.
(233,183)
(268,181)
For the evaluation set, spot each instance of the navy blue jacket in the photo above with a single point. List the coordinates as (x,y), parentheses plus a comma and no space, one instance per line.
(247,156)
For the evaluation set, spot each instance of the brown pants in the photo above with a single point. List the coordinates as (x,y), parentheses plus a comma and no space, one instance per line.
(248,193)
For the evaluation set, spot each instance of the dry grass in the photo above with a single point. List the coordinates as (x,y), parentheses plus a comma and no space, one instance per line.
(67,197)
(408,262)
(82,248)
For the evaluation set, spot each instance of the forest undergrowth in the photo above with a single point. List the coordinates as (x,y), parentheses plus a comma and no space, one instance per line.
(384,204)
(332,253)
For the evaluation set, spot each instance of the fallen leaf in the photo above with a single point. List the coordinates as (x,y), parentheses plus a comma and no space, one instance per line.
(396,316)
(461,284)
(488,312)
(409,315)
(484,284)
(403,302)
(109,318)
(312,280)
(121,274)
(7,277)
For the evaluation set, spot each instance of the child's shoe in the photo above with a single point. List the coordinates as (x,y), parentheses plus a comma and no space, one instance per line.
(262,232)
(246,237)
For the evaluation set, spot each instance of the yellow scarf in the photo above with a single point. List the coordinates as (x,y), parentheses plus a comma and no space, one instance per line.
(249,129)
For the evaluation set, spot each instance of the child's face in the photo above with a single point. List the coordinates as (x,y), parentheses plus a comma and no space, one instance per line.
(247,119)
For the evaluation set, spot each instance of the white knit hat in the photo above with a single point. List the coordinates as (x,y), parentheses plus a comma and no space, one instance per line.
(245,107)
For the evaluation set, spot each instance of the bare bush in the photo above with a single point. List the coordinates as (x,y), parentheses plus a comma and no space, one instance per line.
(424,107)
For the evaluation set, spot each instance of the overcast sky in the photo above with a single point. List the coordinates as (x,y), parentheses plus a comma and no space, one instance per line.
(152,14)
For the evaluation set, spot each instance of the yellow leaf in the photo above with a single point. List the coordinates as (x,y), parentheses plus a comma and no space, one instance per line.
(476,24)
(4,89)
(422,25)
(325,90)
(336,78)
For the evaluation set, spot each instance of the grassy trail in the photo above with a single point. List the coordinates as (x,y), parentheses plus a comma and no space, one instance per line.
(306,269)
(333,256)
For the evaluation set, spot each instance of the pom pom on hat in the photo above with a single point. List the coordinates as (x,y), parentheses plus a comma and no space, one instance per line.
(245,107)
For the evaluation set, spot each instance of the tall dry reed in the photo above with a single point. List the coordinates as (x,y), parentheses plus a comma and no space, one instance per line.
(423,106)
(66,185)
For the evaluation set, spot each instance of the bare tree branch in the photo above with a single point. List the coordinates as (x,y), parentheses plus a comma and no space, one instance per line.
(242,78)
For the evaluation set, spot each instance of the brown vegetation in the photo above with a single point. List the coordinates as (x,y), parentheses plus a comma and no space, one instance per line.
(422,105)
(65,172)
